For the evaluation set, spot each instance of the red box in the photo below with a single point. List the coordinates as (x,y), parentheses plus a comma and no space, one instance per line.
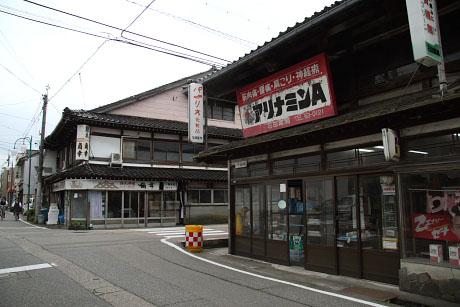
(454,253)
(436,253)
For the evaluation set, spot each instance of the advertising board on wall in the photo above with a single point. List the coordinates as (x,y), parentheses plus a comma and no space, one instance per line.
(296,95)
(82,144)
(120,185)
(195,113)
(424,31)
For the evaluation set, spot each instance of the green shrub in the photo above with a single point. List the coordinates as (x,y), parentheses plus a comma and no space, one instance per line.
(77,225)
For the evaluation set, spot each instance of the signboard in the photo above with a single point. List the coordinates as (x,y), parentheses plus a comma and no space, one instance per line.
(391,146)
(388,189)
(170,186)
(424,31)
(296,95)
(241,164)
(100,184)
(195,113)
(82,150)
(434,227)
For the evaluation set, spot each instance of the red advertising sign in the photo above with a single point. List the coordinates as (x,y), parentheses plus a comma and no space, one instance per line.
(435,227)
(293,96)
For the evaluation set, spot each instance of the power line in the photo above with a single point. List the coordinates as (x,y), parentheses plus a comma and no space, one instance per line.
(157,49)
(203,27)
(130,32)
(25,83)
(145,8)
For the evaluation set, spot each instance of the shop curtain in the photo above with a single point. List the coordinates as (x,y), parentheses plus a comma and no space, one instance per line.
(96,205)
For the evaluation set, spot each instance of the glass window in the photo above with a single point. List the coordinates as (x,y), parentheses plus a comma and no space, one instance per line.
(160,149)
(240,172)
(97,204)
(228,114)
(114,204)
(283,166)
(187,152)
(205,196)
(320,212)
(347,235)
(307,164)
(258,211)
(217,112)
(372,154)
(258,169)
(194,196)
(173,152)
(423,148)
(144,150)
(432,212)
(131,207)
(242,211)
(277,219)
(342,158)
(79,205)
(129,149)
(220,196)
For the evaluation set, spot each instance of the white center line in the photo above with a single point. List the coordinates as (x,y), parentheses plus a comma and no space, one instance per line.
(26,268)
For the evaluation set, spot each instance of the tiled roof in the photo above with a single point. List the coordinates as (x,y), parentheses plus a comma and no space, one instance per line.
(70,118)
(95,171)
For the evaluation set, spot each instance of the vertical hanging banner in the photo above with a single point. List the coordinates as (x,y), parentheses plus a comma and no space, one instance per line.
(195,113)
(299,94)
(424,31)
(82,150)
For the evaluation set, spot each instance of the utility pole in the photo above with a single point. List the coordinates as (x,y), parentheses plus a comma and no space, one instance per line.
(38,197)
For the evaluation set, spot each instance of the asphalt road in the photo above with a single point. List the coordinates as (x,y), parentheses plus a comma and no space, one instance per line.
(127,267)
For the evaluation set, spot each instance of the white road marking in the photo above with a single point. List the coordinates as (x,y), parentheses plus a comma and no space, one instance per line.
(26,268)
(35,226)
(183,233)
(165,241)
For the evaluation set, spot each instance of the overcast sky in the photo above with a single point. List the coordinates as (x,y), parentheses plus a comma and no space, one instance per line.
(84,71)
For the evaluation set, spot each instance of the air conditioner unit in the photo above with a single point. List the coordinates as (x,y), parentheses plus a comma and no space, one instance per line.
(115,159)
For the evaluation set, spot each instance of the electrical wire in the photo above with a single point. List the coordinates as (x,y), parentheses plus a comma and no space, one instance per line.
(25,83)
(145,8)
(200,26)
(157,49)
(130,32)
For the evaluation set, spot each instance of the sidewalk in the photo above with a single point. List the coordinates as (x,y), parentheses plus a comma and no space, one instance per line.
(358,288)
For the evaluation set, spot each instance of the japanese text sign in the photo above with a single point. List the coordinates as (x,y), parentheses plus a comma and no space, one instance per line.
(424,31)
(434,227)
(82,146)
(195,113)
(293,96)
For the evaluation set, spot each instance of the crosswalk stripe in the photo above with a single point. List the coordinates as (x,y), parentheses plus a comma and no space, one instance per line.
(25,268)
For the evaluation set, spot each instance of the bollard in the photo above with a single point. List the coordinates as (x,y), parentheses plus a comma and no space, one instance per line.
(194,238)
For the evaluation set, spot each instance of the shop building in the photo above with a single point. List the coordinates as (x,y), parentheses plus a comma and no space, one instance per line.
(117,169)
(361,178)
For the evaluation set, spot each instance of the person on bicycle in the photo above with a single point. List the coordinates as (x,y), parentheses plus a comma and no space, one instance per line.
(3,205)
(17,208)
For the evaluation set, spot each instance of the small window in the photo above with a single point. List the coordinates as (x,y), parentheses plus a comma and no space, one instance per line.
(283,166)
(166,151)
(423,148)
(220,196)
(205,196)
(258,169)
(342,158)
(308,164)
(221,111)
(137,149)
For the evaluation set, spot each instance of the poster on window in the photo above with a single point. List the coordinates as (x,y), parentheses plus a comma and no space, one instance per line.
(442,227)
(299,94)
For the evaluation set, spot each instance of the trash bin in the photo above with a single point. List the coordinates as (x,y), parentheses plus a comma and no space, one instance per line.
(41,219)
(194,238)
(44,212)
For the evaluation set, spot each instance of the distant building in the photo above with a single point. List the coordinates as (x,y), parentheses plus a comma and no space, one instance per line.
(129,163)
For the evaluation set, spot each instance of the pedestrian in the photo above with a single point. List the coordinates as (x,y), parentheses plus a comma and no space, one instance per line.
(17,208)
(3,205)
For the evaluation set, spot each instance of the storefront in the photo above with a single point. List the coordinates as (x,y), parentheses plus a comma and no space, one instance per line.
(130,202)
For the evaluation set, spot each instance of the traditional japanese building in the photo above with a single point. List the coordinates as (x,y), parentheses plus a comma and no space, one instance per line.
(350,162)
(129,163)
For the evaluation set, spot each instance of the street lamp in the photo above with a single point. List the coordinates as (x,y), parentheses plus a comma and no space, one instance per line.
(29,139)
